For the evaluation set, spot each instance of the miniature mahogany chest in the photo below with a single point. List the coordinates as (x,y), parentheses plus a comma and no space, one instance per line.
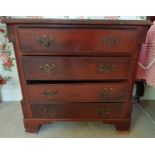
(76,70)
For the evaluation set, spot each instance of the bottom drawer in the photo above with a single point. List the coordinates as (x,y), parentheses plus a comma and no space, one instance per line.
(77,111)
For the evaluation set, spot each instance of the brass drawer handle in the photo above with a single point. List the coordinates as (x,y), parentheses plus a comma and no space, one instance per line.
(106,92)
(45,41)
(110,40)
(55,113)
(107,68)
(103,112)
(47,68)
(49,93)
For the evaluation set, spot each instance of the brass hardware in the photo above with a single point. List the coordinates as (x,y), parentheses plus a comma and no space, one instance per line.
(44,41)
(106,92)
(107,68)
(47,68)
(110,40)
(55,113)
(103,112)
(49,93)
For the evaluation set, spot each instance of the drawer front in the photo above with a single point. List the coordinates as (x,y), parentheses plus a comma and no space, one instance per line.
(78,92)
(76,68)
(77,111)
(59,41)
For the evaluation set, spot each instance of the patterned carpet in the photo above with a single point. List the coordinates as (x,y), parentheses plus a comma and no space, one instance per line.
(11,126)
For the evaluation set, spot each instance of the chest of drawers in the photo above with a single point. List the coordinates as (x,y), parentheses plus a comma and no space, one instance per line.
(76,70)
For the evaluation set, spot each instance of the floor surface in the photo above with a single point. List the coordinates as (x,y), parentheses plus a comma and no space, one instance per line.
(11,125)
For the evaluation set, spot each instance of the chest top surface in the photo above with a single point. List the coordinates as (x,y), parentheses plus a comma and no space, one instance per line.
(77,21)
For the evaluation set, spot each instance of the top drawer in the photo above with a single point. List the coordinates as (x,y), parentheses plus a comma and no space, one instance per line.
(75,41)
